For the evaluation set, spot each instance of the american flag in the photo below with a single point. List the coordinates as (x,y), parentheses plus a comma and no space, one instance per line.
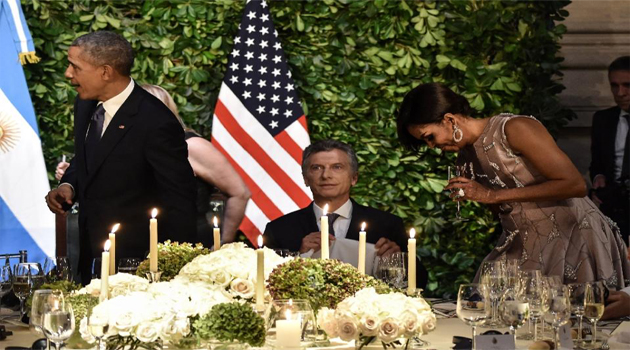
(259,124)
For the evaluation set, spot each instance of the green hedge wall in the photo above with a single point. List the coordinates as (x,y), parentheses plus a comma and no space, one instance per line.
(353,62)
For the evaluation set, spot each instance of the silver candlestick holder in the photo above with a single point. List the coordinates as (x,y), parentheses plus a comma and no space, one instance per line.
(154,277)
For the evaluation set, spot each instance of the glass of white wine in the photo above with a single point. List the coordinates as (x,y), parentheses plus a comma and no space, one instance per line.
(513,309)
(473,306)
(98,325)
(26,277)
(494,277)
(594,306)
(58,320)
(576,297)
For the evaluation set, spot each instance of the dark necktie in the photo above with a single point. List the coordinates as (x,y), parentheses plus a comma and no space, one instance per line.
(625,172)
(94,134)
(331,220)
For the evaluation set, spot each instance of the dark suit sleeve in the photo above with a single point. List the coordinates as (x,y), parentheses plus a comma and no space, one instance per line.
(167,154)
(269,236)
(597,152)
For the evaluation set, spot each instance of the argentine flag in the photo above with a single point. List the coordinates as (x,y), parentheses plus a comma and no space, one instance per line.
(25,221)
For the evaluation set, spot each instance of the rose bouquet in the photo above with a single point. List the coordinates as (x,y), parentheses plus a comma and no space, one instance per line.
(323,282)
(233,267)
(172,256)
(119,284)
(368,315)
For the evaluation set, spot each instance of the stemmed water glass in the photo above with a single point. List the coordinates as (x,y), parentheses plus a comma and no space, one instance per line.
(594,306)
(473,306)
(513,309)
(57,269)
(460,170)
(58,319)
(559,310)
(37,311)
(26,277)
(576,297)
(129,265)
(493,276)
(535,294)
(98,325)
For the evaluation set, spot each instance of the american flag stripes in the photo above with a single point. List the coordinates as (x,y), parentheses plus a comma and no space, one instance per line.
(259,124)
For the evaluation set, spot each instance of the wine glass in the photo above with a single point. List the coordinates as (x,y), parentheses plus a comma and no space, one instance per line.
(493,276)
(512,273)
(576,297)
(58,320)
(57,269)
(26,277)
(594,306)
(98,325)
(128,265)
(37,309)
(460,170)
(513,309)
(6,281)
(534,292)
(473,306)
(559,310)
(396,271)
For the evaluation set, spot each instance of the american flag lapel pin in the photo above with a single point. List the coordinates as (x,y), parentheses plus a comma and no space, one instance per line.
(121,126)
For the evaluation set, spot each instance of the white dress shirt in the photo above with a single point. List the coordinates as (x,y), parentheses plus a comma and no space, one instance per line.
(342,223)
(620,142)
(112,105)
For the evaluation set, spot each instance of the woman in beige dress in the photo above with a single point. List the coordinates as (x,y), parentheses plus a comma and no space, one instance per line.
(513,164)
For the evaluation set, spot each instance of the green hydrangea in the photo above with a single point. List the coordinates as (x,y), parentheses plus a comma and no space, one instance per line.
(172,256)
(231,322)
(323,282)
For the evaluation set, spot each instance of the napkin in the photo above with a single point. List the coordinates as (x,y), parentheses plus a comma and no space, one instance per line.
(620,338)
(347,250)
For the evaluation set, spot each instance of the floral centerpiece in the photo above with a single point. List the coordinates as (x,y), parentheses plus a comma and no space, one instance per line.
(323,282)
(232,267)
(119,284)
(233,322)
(172,256)
(368,315)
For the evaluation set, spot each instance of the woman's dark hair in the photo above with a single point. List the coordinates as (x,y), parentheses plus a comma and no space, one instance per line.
(427,104)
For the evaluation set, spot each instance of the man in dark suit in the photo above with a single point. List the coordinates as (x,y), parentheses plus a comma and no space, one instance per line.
(130,156)
(330,169)
(609,149)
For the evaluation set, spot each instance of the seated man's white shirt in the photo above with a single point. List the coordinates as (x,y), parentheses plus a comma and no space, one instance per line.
(342,223)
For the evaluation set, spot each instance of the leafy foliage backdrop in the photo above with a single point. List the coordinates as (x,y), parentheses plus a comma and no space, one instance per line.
(353,62)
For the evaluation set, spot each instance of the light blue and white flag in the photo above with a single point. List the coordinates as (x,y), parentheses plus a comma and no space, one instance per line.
(25,221)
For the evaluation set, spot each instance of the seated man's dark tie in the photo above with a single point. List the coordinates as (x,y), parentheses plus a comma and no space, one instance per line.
(331,220)
(94,134)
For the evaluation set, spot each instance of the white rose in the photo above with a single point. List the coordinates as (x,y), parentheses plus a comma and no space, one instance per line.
(147,332)
(175,327)
(389,330)
(124,323)
(220,277)
(243,288)
(409,320)
(428,322)
(121,289)
(326,321)
(347,329)
(85,332)
(369,325)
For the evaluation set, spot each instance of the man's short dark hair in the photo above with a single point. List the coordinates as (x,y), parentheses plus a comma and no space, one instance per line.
(107,48)
(621,63)
(327,146)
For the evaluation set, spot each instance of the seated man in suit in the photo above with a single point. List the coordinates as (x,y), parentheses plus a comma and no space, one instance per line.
(330,168)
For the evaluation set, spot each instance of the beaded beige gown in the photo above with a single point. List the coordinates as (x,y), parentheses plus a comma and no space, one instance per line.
(569,238)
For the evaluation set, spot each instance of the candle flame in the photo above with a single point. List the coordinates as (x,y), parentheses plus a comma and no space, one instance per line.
(412,233)
(55,304)
(107,245)
(115,228)
(287,314)
(325,209)
(215,221)
(290,302)
(154,213)
(363,226)
(260,241)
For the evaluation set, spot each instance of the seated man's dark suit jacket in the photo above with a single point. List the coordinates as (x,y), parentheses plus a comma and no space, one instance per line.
(603,137)
(141,162)
(287,232)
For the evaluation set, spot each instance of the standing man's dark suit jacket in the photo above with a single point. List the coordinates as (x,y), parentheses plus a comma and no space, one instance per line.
(286,232)
(141,162)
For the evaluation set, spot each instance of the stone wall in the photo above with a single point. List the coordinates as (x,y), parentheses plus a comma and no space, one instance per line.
(598,32)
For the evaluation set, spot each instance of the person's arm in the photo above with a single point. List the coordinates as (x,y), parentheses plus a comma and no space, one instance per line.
(531,140)
(211,166)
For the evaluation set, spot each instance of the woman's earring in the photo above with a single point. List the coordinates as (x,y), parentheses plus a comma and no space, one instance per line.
(458,134)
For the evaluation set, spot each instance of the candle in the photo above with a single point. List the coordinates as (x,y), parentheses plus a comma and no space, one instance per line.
(411,253)
(324,233)
(153,240)
(361,264)
(260,276)
(288,332)
(217,234)
(105,272)
(112,250)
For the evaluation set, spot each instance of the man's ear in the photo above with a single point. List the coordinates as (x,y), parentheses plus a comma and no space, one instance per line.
(108,72)
(355,179)
(306,181)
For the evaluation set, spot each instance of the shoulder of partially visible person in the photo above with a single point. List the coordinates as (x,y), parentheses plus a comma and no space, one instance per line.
(601,116)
